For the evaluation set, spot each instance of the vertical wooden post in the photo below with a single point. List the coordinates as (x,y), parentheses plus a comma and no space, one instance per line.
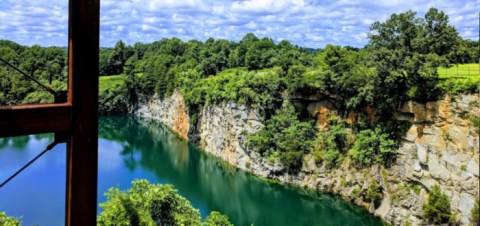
(82,146)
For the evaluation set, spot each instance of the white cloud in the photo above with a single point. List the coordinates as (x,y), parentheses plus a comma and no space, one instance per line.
(312,23)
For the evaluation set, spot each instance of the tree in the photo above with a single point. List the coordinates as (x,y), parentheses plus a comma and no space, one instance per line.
(8,221)
(406,53)
(330,145)
(437,209)
(217,219)
(286,136)
(474,215)
(151,204)
(373,147)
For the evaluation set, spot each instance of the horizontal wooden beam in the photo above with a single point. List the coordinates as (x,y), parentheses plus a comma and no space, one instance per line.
(34,119)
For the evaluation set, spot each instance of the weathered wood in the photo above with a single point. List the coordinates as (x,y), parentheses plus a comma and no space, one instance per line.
(34,119)
(82,147)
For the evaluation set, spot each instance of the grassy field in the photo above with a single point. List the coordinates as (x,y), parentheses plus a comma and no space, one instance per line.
(461,71)
(460,78)
(108,82)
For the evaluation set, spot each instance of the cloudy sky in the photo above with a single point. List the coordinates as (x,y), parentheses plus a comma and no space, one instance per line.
(309,23)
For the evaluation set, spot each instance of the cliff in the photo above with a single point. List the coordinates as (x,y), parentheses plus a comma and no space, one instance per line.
(440,148)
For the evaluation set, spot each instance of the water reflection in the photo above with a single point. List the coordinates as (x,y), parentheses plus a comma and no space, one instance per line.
(130,149)
(211,184)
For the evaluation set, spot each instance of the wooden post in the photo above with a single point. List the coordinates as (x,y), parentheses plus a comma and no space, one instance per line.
(82,146)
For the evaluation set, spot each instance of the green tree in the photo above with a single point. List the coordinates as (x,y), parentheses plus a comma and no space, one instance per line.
(147,204)
(373,147)
(330,145)
(8,221)
(374,193)
(217,219)
(152,204)
(437,209)
(406,53)
(286,136)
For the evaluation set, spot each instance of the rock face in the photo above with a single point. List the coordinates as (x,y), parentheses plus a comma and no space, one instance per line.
(440,148)
(171,111)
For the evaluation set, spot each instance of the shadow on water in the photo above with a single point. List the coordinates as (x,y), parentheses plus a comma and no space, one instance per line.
(210,184)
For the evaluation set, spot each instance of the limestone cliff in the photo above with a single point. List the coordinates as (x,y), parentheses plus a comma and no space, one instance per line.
(440,148)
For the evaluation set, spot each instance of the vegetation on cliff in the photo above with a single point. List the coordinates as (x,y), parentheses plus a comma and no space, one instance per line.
(437,209)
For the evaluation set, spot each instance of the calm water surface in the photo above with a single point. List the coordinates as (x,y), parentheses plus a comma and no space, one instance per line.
(130,148)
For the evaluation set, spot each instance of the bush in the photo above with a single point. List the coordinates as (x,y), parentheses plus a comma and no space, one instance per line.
(437,209)
(217,219)
(374,193)
(8,221)
(373,147)
(330,145)
(474,215)
(284,134)
(150,204)
(456,86)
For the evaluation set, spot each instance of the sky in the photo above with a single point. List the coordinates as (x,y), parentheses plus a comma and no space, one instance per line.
(308,23)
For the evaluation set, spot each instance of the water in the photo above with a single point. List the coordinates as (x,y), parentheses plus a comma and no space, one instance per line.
(131,148)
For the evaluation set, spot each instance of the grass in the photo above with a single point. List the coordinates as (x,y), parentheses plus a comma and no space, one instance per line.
(461,78)
(109,82)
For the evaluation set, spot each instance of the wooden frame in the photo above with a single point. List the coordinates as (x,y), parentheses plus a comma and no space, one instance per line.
(78,117)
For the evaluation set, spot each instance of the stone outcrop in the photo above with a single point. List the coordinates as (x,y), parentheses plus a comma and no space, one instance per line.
(441,147)
(171,111)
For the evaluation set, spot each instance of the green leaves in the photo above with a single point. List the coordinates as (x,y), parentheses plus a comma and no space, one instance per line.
(407,50)
(8,221)
(330,145)
(152,204)
(373,147)
(284,135)
(217,219)
(437,209)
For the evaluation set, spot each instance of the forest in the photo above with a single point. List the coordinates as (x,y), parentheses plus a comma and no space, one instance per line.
(400,63)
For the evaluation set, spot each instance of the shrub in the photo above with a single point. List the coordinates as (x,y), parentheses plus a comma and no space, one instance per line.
(150,204)
(474,215)
(476,122)
(373,147)
(217,219)
(437,209)
(286,135)
(8,221)
(330,145)
(374,193)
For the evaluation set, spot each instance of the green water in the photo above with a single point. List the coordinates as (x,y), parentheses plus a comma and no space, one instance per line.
(131,148)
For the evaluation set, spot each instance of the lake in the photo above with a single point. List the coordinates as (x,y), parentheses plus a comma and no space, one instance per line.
(131,148)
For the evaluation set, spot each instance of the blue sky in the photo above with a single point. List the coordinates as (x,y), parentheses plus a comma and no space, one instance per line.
(309,23)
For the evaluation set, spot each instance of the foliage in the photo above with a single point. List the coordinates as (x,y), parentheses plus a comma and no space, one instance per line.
(437,209)
(330,145)
(217,219)
(286,136)
(110,82)
(374,193)
(151,204)
(8,221)
(407,51)
(476,122)
(261,87)
(474,214)
(113,101)
(373,147)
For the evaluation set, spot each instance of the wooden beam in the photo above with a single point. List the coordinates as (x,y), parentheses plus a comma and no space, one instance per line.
(34,119)
(82,147)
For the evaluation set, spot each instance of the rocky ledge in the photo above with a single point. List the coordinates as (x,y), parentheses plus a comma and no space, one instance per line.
(440,148)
